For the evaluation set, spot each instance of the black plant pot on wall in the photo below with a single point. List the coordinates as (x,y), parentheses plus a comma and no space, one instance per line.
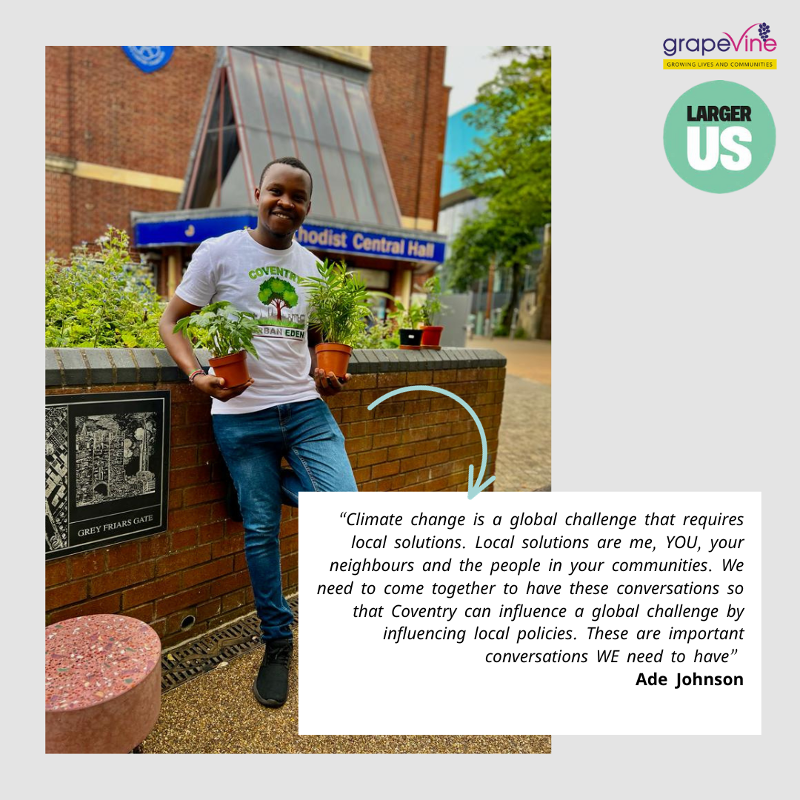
(410,338)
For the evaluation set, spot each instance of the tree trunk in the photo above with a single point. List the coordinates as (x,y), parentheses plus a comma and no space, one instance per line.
(513,301)
(541,325)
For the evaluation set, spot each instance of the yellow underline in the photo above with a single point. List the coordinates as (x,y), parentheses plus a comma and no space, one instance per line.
(720,63)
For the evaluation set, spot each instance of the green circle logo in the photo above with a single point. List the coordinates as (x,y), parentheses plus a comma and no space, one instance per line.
(719,136)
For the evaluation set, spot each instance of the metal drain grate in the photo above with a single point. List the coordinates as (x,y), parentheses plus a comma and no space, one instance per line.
(187,661)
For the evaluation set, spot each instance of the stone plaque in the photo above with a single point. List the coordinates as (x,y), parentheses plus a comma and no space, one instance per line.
(106,469)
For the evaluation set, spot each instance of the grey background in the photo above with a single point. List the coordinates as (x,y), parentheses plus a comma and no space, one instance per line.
(675,349)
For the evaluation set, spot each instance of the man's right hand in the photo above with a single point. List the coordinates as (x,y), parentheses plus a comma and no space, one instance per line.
(215,387)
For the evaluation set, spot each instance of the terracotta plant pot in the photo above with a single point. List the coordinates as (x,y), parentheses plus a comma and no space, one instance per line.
(232,368)
(431,334)
(333,358)
(410,338)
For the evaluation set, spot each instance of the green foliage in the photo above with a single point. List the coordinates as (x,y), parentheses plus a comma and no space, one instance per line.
(338,303)
(101,298)
(513,162)
(411,317)
(220,328)
(432,305)
(383,335)
(519,333)
(511,168)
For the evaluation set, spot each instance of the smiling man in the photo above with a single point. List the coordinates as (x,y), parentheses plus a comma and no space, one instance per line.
(279,413)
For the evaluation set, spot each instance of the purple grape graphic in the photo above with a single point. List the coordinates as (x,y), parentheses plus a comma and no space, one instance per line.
(763,31)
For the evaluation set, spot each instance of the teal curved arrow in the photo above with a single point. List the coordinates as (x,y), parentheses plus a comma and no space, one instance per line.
(473,487)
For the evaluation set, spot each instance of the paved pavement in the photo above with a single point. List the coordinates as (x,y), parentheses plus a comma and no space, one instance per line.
(523,454)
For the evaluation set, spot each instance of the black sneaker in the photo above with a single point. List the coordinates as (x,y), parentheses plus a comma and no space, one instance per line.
(271,687)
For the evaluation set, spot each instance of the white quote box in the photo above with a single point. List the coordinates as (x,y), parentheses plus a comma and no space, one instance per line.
(362,673)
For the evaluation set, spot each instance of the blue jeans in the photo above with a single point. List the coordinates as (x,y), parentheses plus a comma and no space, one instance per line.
(252,445)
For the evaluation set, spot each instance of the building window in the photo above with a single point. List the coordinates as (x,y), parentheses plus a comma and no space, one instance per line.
(265,108)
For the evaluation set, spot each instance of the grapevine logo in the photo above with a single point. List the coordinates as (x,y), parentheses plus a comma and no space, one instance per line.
(719,136)
(755,42)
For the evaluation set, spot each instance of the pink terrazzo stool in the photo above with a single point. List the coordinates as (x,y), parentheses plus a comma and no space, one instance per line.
(102,684)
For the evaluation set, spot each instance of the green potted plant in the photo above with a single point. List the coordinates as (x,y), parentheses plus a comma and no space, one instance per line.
(337,300)
(227,333)
(431,334)
(408,321)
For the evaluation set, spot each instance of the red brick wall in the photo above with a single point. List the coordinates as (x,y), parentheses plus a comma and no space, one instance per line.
(411,131)
(416,442)
(102,109)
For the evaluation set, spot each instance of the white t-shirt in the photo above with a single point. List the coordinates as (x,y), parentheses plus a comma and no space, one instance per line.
(236,268)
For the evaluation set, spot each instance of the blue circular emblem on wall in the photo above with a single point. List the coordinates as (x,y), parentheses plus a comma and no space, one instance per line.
(149,59)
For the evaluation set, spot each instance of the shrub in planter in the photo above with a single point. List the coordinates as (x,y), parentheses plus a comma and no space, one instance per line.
(227,333)
(408,321)
(382,335)
(100,298)
(338,310)
(431,334)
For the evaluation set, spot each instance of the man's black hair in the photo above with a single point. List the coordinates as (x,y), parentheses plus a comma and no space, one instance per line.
(290,161)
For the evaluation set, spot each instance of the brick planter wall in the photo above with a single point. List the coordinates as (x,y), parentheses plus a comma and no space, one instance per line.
(419,441)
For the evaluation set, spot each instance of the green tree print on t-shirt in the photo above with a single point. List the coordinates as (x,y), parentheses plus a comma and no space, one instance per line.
(279,293)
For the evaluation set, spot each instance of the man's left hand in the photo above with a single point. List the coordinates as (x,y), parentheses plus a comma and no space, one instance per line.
(328,384)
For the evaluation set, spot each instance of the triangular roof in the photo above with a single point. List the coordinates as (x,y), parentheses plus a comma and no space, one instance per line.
(263,106)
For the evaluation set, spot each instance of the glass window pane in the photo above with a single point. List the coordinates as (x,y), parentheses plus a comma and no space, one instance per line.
(319,108)
(246,87)
(234,188)
(341,113)
(382,190)
(366,133)
(296,100)
(337,182)
(360,187)
(206,181)
(284,146)
(271,91)
(320,202)
(260,154)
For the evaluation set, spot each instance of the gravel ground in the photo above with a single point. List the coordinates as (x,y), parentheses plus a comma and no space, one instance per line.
(217,713)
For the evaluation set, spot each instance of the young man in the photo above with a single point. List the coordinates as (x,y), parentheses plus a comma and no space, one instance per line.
(279,413)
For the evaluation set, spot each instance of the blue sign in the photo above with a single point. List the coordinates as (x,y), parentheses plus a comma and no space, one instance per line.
(316,237)
(149,59)
(188,231)
(368,243)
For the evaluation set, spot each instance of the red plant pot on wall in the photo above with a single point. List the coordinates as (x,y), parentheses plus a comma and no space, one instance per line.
(431,335)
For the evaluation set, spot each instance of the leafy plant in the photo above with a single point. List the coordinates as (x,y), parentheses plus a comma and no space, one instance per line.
(432,305)
(411,317)
(383,335)
(100,297)
(220,328)
(338,303)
